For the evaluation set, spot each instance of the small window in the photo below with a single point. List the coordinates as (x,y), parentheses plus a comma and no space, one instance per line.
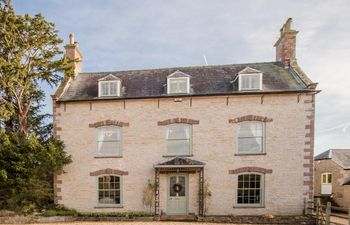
(178,139)
(250,81)
(109,140)
(109,88)
(179,85)
(251,137)
(250,189)
(109,190)
(326,178)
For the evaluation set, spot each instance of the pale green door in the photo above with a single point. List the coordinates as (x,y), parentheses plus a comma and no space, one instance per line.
(177,194)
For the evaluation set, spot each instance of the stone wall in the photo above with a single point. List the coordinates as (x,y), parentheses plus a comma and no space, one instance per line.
(287,160)
(341,194)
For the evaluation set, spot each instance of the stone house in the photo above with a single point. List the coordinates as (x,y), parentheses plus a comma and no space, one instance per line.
(332,176)
(227,129)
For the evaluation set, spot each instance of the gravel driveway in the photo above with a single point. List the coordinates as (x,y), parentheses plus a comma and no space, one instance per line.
(130,223)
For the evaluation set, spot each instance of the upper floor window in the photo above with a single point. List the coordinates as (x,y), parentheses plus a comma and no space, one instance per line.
(109,141)
(251,137)
(178,83)
(250,79)
(178,139)
(109,190)
(109,86)
(326,178)
(326,183)
(250,189)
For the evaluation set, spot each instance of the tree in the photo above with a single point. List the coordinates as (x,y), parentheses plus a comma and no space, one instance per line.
(29,154)
(29,55)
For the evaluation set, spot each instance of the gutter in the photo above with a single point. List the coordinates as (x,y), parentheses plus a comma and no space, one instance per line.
(194,95)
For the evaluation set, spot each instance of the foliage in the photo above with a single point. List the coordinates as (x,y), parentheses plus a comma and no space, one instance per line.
(29,56)
(58,210)
(207,196)
(148,195)
(29,155)
(130,214)
(29,166)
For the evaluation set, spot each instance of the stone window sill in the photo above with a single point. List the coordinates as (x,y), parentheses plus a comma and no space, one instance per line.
(103,157)
(249,154)
(248,206)
(177,156)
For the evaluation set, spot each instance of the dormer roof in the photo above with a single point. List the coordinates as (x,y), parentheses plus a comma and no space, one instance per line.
(109,77)
(249,70)
(178,73)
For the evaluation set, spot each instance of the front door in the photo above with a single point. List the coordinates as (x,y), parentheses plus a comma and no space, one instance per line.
(177,194)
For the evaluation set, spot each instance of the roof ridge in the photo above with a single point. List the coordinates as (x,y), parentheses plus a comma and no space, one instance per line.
(180,67)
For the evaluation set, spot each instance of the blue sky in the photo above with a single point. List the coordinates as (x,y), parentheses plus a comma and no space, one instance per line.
(121,35)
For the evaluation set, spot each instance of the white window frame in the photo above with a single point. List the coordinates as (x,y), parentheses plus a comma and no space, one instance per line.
(112,205)
(249,74)
(100,94)
(263,147)
(262,192)
(166,140)
(169,79)
(327,176)
(97,155)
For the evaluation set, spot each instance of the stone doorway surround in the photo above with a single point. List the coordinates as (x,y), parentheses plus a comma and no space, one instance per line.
(180,165)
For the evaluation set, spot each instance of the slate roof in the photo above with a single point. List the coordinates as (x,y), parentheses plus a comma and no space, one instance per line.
(205,80)
(181,161)
(339,156)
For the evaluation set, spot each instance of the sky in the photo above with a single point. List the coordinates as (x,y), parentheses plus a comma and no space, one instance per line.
(123,35)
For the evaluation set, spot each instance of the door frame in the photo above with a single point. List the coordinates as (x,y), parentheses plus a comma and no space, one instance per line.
(168,192)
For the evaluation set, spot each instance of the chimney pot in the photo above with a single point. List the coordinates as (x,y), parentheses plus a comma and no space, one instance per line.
(71,39)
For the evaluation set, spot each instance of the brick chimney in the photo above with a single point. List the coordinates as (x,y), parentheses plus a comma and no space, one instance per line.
(285,45)
(73,52)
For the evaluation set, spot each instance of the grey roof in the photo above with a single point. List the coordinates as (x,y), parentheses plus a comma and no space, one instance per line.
(181,161)
(347,182)
(205,80)
(339,156)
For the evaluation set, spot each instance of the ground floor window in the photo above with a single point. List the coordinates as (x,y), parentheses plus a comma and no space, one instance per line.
(109,190)
(250,189)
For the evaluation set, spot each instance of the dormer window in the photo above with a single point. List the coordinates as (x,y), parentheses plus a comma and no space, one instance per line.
(109,86)
(178,83)
(250,79)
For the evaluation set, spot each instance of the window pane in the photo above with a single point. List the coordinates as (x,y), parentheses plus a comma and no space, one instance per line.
(178,131)
(171,184)
(250,129)
(245,82)
(250,144)
(182,183)
(104,88)
(109,140)
(324,178)
(178,85)
(178,139)
(107,191)
(111,133)
(250,137)
(249,191)
(108,148)
(329,178)
(250,81)
(178,146)
(113,88)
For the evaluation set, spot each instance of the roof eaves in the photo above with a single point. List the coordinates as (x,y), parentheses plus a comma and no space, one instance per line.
(193,95)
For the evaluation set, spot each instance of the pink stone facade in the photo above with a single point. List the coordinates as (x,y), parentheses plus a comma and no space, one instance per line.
(287,164)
